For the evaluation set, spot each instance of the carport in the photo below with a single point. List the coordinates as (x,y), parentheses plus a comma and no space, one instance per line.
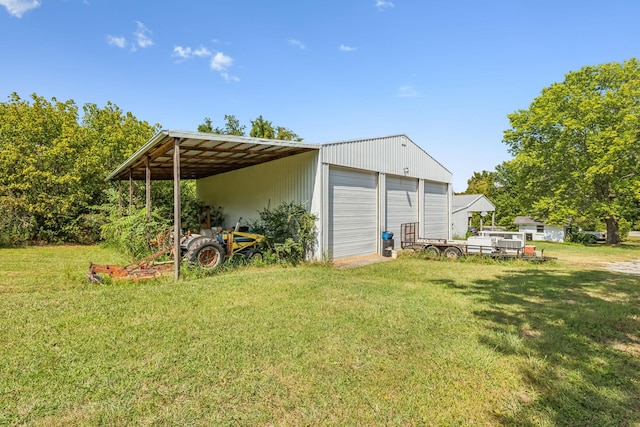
(180,155)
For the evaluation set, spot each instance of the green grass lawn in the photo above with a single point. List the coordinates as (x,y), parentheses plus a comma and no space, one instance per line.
(405,342)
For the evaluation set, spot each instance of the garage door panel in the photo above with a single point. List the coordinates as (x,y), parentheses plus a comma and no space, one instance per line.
(352,213)
(402,202)
(436,218)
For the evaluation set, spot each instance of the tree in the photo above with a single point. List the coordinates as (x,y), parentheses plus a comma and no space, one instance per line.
(576,147)
(52,167)
(232,126)
(482,183)
(261,128)
(501,189)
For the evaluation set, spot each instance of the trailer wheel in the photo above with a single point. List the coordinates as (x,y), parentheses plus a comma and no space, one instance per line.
(452,252)
(432,252)
(205,253)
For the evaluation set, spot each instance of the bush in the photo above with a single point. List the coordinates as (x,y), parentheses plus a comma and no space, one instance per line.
(129,233)
(578,236)
(289,230)
(16,224)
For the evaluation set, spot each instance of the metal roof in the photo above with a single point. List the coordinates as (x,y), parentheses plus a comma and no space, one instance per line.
(204,154)
(526,220)
(393,154)
(465,201)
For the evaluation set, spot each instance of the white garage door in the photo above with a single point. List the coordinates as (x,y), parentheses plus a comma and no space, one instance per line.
(402,203)
(353,214)
(436,222)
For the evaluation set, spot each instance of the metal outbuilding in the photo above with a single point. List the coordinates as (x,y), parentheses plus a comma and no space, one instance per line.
(357,188)
(463,207)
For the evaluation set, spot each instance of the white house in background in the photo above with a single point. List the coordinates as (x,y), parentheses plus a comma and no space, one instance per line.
(357,188)
(462,208)
(536,230)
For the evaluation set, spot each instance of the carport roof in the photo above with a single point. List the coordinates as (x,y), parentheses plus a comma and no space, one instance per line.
(204,154)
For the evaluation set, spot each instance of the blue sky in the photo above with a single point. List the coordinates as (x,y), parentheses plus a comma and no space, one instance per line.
(445,73)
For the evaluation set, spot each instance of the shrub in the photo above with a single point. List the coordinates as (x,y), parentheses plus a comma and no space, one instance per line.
(17,225)
(289,230)
(129,233)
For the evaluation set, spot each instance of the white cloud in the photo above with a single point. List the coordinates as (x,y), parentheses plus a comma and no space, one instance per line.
(142,35)
(407,91)
(220,63)
(229,77)
(18,7)
(120,42)
(188,53)
(346,48)
(384,5)
(202,52)
(297,43)
(182,52)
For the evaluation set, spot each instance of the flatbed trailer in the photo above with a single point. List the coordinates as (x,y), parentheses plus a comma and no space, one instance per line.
(454,249)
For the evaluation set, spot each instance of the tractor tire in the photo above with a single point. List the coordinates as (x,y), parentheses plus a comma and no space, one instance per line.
(205,253)
(452,253)
(254,255)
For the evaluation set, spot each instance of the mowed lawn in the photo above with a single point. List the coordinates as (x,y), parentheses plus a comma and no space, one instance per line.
(405,342)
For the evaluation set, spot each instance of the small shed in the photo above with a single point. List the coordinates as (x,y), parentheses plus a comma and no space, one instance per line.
(357,188)
(463,207)
(536,230)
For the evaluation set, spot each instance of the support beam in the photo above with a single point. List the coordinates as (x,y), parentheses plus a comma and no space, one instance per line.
(148,197)
(120,198)
(177,208)
(148,187)
(130,189)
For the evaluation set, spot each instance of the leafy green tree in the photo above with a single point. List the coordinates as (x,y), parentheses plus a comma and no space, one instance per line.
(261,128)
(576,147)
(207,126)
(285,134)
(52,166)
(232,126)
(39,161)
(482,183)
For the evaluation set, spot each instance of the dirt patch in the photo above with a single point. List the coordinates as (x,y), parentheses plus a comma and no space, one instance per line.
(628,267)
(360,261)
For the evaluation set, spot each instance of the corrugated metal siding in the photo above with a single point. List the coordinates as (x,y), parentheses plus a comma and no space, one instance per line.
(244,192)
(395,155)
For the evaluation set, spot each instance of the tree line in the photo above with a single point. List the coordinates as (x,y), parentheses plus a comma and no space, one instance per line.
(55,156)
(575,154)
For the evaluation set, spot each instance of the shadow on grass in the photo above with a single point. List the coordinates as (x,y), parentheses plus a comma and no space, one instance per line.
(578,336)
